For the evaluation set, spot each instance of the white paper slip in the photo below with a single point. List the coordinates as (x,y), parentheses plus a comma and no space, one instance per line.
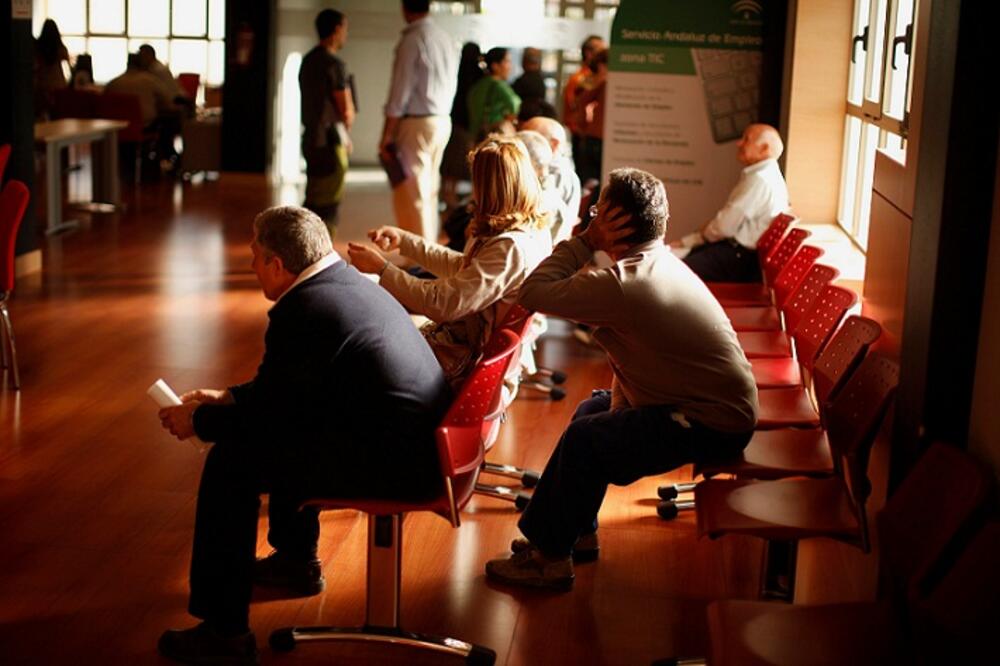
(164,396)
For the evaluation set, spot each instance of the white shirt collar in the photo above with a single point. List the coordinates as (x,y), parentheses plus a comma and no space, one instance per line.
(760,166)
(312,270)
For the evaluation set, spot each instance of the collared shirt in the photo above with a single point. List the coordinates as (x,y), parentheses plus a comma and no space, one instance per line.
(759,195)
(311,270)
(668,340)
(424,72)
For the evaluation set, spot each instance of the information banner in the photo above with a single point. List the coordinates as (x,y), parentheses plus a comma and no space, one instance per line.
(683,80)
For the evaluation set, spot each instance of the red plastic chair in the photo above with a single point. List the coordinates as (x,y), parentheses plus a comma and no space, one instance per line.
(13,202)
(792,301)
(126,107)
(777,343)
(74,103)
(518,323)
(922,522)
(782,453)
(461,451)
(794,509)
(4,158)
(189,82)
(738,293)
(793,407)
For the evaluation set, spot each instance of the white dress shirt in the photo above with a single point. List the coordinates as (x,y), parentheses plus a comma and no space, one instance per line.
(424,72)
(759,195)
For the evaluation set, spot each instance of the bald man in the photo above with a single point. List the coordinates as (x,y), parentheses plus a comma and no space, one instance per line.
(562,171)
(725,249)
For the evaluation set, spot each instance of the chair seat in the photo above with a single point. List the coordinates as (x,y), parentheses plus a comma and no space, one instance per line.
(754,318)
(786,408)
(787,510)
(777,454)
(776,372)
(765,344)
(750,633)
(735,294)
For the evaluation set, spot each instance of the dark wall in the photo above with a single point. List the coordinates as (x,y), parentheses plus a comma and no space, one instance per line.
(246,102)
(17,114)
(772,61)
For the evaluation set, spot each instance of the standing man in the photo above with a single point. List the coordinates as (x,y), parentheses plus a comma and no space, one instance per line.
(725,249)
(682,390)
(344,404)
(327,115)
(574,117)
(417,123)
(530,86)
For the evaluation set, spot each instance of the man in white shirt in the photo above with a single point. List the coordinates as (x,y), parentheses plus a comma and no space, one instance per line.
(417,121)
(147,56)
(562,172)
(725,249)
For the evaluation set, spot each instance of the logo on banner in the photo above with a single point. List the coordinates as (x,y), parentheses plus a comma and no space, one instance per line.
(748,11)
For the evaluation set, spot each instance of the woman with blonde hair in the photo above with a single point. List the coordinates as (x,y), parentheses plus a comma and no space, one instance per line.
(473,289)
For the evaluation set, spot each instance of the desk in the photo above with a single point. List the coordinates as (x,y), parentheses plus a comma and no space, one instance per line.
(58,134)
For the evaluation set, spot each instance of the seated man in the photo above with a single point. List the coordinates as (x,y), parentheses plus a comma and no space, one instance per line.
(725,250)
(682,390)
(344,403)
(562,170)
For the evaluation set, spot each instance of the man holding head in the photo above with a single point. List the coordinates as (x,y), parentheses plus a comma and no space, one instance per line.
(344,403)
(562,171)
(682,390)
(725,249)
(417,117)
(327,116)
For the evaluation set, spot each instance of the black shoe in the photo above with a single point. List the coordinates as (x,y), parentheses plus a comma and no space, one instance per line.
(302,577)
(204,645)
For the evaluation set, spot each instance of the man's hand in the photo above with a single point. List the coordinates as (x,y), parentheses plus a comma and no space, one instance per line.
(383,147)
(366,259)
(209,396)
(385,238)
(607,229)
(179,420)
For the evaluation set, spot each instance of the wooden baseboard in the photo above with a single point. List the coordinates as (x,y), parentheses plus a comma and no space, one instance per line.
(29,262)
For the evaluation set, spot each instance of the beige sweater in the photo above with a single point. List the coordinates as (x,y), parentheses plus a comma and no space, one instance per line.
(471,293)
(667,338)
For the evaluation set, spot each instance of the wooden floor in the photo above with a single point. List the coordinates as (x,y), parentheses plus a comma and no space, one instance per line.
(97,502)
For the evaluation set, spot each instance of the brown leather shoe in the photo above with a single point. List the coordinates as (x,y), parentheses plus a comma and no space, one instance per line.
(530,568)
(586,549)
(300,577)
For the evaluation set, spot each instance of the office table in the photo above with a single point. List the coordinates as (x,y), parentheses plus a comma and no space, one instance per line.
(58,134)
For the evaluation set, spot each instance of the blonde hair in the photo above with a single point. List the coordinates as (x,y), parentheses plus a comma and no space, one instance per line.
(505,187)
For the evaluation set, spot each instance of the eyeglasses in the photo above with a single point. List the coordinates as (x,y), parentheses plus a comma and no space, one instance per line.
(593,212)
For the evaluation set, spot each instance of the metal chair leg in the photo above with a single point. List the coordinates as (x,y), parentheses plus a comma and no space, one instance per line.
(528,477)
(519,498)
(9,329)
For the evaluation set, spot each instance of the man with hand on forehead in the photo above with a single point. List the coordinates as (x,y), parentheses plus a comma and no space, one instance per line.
(682,389)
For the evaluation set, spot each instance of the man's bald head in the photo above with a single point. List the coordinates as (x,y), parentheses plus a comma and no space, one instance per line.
(549,128)
(759,142)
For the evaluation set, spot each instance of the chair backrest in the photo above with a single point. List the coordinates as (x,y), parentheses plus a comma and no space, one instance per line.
(853,421)
(459,437)
(832,368)
(517,320)
(778,257)
(118,106)
(189,81)
(13,203)
(794,272)
(801,300)
(930,512)
(957,623)
(774,233)
(4,158)
(816,326)
(74,103)
(840,356)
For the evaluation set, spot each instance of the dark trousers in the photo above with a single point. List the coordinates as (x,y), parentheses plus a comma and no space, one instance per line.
(619,447)
(724,261)
(225,533)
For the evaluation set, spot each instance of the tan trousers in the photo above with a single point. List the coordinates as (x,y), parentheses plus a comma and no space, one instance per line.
(420,142)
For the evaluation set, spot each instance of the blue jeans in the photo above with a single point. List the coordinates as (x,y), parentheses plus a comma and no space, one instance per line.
(602,447)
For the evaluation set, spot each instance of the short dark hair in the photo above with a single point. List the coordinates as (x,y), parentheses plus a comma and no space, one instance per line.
(532,108)
(417,6)
(641,195)
(146,48)
(495,56)
(327,22)
(585,46)
(133,61)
